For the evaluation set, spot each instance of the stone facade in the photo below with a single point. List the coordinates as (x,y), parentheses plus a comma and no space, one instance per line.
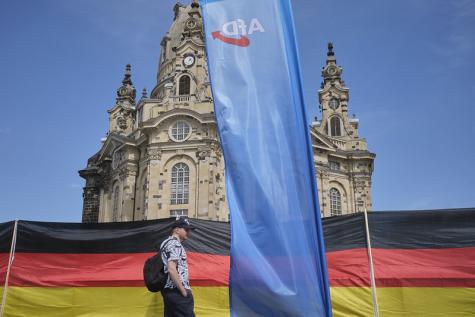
(161,156)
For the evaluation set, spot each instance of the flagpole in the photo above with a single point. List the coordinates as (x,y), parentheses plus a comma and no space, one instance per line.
(371,266)
(10,261)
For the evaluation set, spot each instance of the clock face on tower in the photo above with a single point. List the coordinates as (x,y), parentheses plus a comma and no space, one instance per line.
(334,103)
(189,60)
(191,23)
(331,70)
(123,91)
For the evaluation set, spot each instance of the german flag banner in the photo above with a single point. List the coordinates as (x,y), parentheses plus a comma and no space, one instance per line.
(63,269)
(424,263)
(424,266)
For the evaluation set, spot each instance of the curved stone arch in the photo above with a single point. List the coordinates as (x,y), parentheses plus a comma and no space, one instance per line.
(161,85)
(189,43)
(195,122)
(343,194)
(189,73)
(177,113)
(335,90)
(185,157)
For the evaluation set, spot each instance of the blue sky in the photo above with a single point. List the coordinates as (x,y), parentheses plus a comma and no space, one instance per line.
(409,65)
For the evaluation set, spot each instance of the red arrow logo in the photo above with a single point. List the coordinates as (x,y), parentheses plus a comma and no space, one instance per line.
(243,41)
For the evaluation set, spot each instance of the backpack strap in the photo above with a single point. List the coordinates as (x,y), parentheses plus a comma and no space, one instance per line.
(165,244)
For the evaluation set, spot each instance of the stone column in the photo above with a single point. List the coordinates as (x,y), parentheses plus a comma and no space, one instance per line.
(128,177)
(90,209)
(152,190)
(91,202)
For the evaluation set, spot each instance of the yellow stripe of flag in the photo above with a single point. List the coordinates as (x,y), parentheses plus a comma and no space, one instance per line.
(213,302)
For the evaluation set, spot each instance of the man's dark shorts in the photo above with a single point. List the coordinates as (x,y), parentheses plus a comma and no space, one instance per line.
(176,305)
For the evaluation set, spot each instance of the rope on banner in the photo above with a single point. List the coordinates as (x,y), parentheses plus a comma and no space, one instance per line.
(10,262)
(371,267)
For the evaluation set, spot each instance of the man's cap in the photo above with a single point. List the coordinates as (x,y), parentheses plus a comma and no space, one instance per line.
(183,222)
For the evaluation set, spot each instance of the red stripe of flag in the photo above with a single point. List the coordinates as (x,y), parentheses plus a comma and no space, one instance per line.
(454,267)
(107,270)
(394,268)
(3,267)
(404,268)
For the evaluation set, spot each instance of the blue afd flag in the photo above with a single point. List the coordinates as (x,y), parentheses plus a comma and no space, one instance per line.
(277,254)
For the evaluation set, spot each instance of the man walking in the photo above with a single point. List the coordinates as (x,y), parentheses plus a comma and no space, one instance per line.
(177,295)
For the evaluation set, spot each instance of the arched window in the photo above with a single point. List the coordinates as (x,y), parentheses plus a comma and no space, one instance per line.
(335,202)
(335,126)
(184,85)
(180,184)
(115,204)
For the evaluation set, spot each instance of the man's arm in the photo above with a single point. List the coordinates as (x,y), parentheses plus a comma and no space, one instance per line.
(176,277)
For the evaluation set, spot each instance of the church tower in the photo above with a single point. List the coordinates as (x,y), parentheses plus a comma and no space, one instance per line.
(161,156)
(343,163)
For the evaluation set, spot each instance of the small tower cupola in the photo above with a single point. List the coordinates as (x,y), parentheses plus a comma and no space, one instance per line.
(121,116)
(331,73)
(126,92)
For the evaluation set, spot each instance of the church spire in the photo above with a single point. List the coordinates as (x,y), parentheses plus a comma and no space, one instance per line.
(121,116)
(330,49)
(195,9)
(127,75)
(331,72)
(127,90)
(195,4)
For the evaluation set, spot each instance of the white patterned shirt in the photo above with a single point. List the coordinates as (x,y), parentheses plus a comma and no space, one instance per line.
(174,251)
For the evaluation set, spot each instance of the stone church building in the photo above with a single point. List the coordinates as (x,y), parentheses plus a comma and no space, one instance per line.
(161,156)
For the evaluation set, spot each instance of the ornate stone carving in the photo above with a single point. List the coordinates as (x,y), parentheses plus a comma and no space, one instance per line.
(202,93)
(154,154)
(203,153)
(117,159)
(126,171)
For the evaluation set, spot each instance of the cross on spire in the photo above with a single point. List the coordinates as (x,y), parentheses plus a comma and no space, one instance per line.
(330,49)
(127,75)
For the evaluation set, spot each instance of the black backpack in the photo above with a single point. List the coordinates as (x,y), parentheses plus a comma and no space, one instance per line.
(154,274)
